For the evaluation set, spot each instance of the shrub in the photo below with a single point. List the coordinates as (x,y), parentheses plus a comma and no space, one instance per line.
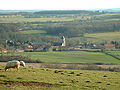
(23,58)
(77,74)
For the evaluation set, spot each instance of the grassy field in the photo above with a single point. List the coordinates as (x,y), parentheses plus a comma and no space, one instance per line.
(105,36)
(32,32)
(98,37)
(22,19)
(115,52)
(58,79)
(70,57)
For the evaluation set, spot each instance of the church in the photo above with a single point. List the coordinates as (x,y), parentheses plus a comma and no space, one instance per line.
(57,45)
(63,43)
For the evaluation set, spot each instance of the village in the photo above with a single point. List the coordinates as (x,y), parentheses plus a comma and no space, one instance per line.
(29,46)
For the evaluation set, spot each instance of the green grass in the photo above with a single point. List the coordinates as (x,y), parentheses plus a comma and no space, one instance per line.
(105,36)
(79,80)
(98,37)
(31,32)
(115,52)
(70,57)
(22,19)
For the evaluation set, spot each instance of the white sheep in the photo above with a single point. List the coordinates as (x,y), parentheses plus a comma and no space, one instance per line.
(14,64)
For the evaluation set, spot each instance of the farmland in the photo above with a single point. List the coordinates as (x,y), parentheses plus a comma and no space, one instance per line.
(114,52)
(98,37)
(82,57)
(58,79)
(21,19)
(105,36)
(32,32)
(78,27)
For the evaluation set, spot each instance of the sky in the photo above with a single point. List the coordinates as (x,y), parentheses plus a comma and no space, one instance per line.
(58,4)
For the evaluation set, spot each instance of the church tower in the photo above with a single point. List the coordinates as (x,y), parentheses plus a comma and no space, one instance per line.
(63,41)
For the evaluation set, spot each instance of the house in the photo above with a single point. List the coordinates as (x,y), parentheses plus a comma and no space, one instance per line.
(39,45)
(44,46)
(55,46)
(19,50)
(109,46)
(35,46)
(47,48)
(2,50)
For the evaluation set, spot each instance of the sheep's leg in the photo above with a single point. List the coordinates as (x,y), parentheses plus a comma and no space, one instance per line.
(17,68)
(6,68)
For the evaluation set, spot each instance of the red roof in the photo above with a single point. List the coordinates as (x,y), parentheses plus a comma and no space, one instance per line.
(109,45)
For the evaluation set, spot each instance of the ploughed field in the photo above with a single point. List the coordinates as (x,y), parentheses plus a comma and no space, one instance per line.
(57,79)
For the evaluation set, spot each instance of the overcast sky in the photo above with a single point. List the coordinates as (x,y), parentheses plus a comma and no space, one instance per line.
(58,4)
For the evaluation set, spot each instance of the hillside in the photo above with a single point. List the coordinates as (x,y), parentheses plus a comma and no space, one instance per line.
(59,12)
(98,37)
(57,23)
(58,79)
(48,26)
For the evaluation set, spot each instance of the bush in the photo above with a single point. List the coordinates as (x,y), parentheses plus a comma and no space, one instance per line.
(91,67)
(25,59)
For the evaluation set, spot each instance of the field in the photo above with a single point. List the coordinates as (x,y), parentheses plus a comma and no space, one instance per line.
(98,37)
(105,36)
(21,19)
(32,32)
(115,52)
(58,79)
(70,57)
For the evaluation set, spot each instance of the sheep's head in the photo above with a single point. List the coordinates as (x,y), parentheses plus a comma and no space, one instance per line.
(22,63)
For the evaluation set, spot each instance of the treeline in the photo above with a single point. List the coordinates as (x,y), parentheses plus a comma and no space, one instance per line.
(8,32)
(66,12)
(78,28)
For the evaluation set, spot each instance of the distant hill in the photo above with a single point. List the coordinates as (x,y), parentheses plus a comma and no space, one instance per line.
(107,10)
(65,12)
(62,11)
(113,10)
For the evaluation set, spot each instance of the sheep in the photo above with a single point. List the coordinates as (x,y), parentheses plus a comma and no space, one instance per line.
(14,64)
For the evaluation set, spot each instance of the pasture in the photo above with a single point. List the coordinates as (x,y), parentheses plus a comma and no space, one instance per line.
(58,79)
(70,57)
(32,32)
(21,19)
(98,37)
(115,52)
(105,36)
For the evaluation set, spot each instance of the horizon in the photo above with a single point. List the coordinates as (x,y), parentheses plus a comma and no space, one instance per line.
(62,9)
